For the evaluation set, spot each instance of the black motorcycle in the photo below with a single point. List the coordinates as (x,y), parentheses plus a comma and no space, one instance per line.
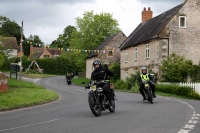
(148,93)
(69,81)
(97,99)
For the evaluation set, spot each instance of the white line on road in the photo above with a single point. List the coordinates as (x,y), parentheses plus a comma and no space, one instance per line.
(36,80)
(192,122)
(30,125)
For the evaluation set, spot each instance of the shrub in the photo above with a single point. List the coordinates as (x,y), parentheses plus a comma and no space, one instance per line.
(177,90)
(132,81)
(121,85)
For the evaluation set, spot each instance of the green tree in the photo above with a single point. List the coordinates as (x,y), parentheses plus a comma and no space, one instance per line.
(35,39)
(2,53)
(115,67)
(63,39)
(10,28)
(176,68)
(92,29)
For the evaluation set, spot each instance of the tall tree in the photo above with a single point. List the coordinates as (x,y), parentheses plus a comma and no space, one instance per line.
(92,29)
(35,39)
(10,28)
(63,39)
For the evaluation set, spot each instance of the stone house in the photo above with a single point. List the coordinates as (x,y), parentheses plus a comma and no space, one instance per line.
(176,30)
(108,52)
(37,52)
(11,47)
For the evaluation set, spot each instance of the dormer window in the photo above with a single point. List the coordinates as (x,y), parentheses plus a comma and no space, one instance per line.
(182,21)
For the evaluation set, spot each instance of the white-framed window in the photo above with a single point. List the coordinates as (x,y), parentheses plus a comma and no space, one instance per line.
(135,54)
(126,56)
(126,74)
(182,21)
(147,51)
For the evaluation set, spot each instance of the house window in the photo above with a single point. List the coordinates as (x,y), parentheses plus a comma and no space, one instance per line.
(126,74)
(135,54)
(164,50)
(46,56)
(182,21)
(126,56)
(110,52)
(147,51)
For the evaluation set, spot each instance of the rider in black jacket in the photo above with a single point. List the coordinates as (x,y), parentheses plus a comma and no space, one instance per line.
(102,73)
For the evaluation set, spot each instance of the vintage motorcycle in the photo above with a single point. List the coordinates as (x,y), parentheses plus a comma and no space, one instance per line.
(97,99)
(148,93)
(69,81)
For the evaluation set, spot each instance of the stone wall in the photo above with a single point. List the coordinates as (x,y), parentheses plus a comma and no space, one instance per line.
(186,41)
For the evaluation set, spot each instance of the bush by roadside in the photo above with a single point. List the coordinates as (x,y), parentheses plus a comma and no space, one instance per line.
(161,89)
(178,90)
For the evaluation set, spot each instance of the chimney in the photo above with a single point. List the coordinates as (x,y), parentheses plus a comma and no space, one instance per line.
(146,14)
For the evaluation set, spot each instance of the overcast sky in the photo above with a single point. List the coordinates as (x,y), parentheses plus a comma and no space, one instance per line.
(48,18)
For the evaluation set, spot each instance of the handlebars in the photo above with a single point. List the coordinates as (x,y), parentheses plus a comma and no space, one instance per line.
(94,82)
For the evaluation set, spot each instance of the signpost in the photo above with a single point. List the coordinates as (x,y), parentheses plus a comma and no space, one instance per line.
(20,63)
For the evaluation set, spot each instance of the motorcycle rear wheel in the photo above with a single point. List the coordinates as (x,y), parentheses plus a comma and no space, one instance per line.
(95,108)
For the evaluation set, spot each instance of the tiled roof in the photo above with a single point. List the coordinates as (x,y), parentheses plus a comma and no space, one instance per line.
(37,54)
(149,29)
(9,42)
(54,51)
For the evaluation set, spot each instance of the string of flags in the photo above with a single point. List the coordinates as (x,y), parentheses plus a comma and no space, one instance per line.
(69,49)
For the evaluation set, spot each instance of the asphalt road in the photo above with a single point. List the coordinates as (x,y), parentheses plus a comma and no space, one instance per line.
(71,114)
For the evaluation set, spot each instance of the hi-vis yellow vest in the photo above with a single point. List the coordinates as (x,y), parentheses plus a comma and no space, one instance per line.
(144,77)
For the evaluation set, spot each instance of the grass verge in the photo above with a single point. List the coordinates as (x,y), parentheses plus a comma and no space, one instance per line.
(24,94)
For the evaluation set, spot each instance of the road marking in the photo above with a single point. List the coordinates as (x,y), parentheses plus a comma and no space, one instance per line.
(192,122)
(36,80)
(30,125)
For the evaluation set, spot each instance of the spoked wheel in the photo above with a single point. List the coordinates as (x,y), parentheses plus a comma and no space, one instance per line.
(95,108)
(112,107)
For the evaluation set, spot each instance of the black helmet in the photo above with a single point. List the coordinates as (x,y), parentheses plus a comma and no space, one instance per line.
(97,62)
(144,70)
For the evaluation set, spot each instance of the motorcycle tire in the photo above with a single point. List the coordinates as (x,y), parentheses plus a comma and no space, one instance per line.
(150,98)
(94,107)
(112,108)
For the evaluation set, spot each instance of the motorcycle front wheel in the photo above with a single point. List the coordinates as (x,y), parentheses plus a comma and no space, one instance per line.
(95,108)
(111,108)
(150,98)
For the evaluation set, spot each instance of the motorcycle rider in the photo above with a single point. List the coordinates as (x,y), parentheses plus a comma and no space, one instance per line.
(68,76)
(102,73)
(146,76)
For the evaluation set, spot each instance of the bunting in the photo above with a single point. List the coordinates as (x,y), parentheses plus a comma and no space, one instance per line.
(69,49)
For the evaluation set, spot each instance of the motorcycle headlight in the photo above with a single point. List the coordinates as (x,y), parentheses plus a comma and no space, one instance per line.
(91,83)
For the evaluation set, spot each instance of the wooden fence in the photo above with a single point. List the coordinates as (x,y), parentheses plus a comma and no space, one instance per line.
(195,86)
(3,82)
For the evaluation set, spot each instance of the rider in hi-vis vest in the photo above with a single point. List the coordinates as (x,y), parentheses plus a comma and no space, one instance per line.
(146,77)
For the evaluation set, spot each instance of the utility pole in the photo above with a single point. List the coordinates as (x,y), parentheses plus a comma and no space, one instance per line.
(21,48)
